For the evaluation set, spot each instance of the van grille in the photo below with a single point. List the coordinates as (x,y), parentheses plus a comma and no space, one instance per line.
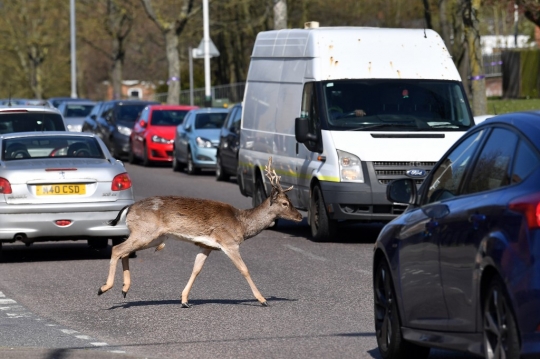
(389,171)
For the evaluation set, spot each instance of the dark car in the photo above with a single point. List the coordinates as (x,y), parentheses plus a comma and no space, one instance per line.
(229,141)
(115,121)
(89,123)
(460,268)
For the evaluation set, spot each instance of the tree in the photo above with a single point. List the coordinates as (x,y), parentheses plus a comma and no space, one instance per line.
(171,26)
(471,21)
(116,19)
(31,31)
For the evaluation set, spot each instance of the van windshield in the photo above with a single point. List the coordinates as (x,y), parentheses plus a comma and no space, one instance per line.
(396,105)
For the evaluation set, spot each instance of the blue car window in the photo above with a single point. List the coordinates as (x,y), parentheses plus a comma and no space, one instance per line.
(491,169)
(526,161)
(447,177)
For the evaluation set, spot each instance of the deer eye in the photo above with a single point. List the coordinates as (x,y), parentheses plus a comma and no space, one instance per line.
(285,204)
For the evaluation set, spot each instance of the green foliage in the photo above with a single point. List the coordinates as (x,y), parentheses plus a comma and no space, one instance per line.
(499,106)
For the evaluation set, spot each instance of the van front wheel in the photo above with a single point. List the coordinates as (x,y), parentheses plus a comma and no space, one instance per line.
(322,227)
(259,194)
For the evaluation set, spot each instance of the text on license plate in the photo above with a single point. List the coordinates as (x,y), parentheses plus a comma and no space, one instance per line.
(60,189)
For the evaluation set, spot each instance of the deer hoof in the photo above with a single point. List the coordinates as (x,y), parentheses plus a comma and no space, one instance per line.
(124,293)
(264,304)
(186,305)
(100,291)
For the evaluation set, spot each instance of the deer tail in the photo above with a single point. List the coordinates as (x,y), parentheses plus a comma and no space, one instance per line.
(114,222)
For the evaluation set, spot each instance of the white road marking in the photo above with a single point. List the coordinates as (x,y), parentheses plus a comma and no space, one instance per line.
(86,337)
(2,295)
(68,331)
(307,254)
(7,301)
(99,344)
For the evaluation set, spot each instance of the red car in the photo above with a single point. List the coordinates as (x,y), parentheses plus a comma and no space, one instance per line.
(152,136)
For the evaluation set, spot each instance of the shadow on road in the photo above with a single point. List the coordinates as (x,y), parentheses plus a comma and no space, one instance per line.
(347,233)
(49,252)
(197,302)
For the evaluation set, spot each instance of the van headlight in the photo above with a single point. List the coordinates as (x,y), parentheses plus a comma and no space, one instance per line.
(350,167)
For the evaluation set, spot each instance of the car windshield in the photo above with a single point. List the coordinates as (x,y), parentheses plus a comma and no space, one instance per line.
(396,105)
(30,121)
(51,147)
(76,110)
(168,117)
(129,113)
(210,120)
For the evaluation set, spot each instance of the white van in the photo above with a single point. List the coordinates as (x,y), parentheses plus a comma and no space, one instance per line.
(343,111)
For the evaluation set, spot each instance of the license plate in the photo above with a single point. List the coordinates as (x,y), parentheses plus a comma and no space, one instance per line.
(61,189)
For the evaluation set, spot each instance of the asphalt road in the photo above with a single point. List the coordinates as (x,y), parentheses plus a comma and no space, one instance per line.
(319,294)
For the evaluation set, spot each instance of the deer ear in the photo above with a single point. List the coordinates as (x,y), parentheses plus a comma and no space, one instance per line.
(274,196)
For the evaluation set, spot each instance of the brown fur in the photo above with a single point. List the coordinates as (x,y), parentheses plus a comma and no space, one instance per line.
(211,225)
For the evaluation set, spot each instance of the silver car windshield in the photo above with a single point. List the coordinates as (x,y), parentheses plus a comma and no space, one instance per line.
(52,147)
(396,105)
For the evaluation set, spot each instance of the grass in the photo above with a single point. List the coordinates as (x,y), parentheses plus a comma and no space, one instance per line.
(499,106)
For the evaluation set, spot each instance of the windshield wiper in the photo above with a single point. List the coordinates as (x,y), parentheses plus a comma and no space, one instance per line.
(381,125)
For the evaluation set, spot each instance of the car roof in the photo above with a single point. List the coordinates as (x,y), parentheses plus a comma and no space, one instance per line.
(132,102)
(210,110)
(526,121)
(11,109)
(172,107)
(11,135)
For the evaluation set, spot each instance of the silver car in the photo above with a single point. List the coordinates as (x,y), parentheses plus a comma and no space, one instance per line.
(30,118)
(57,186)
(75,112)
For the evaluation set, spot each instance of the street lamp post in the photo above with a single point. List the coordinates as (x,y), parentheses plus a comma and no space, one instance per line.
(73,52)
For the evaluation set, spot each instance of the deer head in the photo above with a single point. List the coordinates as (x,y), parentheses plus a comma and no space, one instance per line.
(279,196)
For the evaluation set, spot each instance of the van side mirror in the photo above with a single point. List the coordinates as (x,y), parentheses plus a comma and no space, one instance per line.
(301,130)
(401,190)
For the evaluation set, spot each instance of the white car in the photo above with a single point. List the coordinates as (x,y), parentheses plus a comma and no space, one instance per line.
(58,186)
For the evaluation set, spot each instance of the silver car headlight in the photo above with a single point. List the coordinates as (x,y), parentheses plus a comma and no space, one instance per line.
(203,142)
(158,139)
(350,167)
(126,131)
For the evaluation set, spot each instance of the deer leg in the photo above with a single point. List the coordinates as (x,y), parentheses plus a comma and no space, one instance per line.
(121,250)
(127,277)
(234,255)
(197,267)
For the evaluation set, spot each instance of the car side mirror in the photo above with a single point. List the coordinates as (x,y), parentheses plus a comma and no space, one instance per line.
(142,123)
(301,130)
(401,190)
(93,117)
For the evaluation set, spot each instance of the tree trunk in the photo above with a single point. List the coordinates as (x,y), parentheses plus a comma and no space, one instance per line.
(116,72)
(280,14)
(478,83)
(171,44)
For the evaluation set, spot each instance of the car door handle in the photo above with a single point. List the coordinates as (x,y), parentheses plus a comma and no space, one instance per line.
(476,218)
(430,226)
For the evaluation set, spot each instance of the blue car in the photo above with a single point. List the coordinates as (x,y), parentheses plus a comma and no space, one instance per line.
(196,140)
(460,268)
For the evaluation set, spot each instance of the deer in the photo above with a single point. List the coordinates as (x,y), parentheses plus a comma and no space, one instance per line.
(209,224)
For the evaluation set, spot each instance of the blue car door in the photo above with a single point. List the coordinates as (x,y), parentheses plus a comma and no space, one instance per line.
(475,212)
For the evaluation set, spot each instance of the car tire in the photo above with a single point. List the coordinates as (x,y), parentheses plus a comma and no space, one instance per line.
(191,169)
(98,243)
(220,173)
(499,324)
(131,157)
(322,227)
(259,194)
(387,323)
(145,161)
(177,166)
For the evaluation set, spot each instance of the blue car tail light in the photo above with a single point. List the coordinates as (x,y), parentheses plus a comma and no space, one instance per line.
(530,207)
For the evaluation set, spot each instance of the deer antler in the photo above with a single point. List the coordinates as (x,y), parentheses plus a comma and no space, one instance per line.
(274,178)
